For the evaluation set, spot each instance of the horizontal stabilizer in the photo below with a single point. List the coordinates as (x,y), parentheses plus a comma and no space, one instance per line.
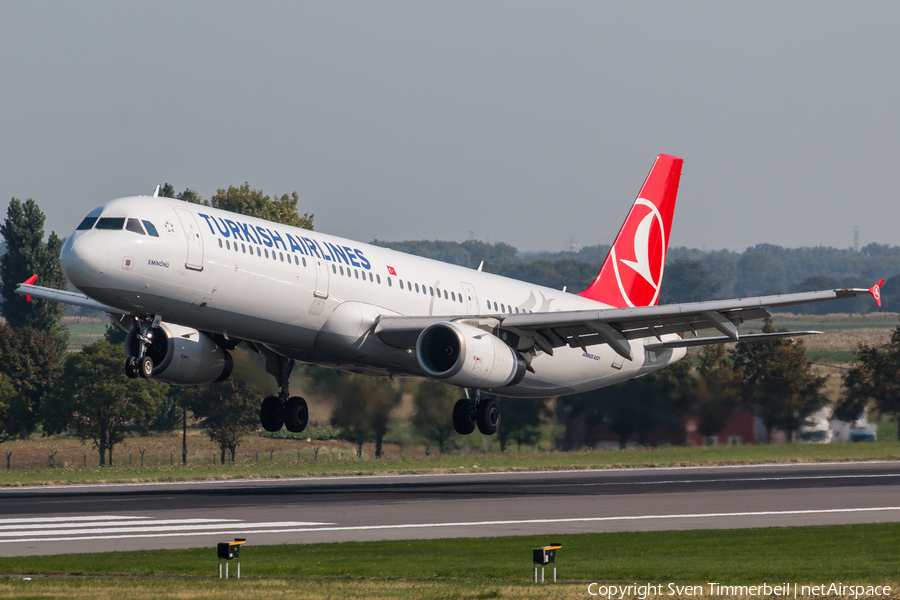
(708,341)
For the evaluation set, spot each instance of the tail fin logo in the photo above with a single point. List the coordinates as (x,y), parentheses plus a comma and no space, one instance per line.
(645,260)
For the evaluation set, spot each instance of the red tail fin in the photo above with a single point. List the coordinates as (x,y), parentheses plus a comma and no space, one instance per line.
(633,270)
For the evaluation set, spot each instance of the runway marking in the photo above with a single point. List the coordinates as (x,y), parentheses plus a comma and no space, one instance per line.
(728,480)
(88,528)
(246,528)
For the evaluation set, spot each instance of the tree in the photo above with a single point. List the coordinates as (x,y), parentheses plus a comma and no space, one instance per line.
(8,399)
(715,391)
(27,254)
(97,401)
(362,408)
(229,411)
(433,409)
(247,201)
(29,361)
(778,380)
(873,380)
(521,422)
(687,280)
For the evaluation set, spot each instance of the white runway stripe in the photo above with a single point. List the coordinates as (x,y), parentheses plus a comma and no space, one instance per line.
(120,527)
(116,524)
(248,528)
(64,519)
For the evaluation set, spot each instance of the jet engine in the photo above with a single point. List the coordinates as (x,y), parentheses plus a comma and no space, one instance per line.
(182,356)
(463,355)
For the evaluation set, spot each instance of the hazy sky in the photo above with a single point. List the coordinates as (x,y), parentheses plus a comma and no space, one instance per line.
(529,123)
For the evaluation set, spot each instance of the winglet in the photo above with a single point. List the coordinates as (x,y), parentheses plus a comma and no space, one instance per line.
(33,278)
(875,290)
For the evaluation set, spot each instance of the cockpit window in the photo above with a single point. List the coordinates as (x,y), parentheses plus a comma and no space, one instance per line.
(150,228)
(87,223)
(111,223)
(135,226)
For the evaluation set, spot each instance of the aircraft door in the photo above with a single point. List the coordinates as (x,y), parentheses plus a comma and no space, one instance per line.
(322,277)
(194,241)
(471,298)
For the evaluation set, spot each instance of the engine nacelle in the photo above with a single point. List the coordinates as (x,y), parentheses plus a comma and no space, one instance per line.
(183,356)
(469,357)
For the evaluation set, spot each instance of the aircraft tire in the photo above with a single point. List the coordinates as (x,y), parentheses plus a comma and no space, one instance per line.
(296,415)
(145,367)
(267,414)
(488,417)
(463,422)
(131,368)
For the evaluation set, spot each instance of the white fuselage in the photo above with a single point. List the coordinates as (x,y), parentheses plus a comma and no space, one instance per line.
(314,297)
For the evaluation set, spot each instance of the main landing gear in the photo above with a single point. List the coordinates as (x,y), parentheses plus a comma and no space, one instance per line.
(142,365)
(469,412)
(285,410)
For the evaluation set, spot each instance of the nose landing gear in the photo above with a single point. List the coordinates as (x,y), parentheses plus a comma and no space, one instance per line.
(469,412)
(142,364)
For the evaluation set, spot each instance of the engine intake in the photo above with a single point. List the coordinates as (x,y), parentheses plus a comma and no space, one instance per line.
(182,356)
(466,356)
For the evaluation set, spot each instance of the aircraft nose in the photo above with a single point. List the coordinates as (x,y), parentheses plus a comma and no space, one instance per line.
(84,260)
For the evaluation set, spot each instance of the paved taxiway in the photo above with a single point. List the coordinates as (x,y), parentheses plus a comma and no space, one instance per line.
(92,518)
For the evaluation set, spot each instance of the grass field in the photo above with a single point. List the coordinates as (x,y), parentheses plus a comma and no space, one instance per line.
(475,567)
(285,463)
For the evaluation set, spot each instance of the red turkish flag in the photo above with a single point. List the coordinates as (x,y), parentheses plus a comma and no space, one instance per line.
(391,270)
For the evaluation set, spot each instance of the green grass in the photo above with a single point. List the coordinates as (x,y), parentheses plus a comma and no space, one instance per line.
(831,357)
(84,333)
(848,553)
(468,462)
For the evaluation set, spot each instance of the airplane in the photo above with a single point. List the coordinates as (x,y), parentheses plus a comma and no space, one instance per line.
(190,282)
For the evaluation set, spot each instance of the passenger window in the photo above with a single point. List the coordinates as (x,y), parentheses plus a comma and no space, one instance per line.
(517,310)
(243,248)
(399,280)
(220,242)
(266,251)
(431,289)
(453,296)
(111,223)
(439,292)
(445,295)
(342,269)
(349,274)
(86,224)
(304,261)
(281,256)
(502,308)
(258,253)
(495,306)
(370,278)
(227,245)
(489,304)
(377,279)
(235,247)
(389,282)
(417,288)
(296,260)
(355,272)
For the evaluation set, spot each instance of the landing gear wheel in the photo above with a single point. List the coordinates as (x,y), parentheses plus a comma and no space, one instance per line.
(268,414)
(488,417)
(131,367)
(296,414)
(463,417)
(145,367)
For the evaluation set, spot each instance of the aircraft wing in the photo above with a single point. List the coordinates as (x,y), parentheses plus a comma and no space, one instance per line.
(615,326)
(64,296)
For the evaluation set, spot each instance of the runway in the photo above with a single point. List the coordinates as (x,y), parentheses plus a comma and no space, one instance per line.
(98,518)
